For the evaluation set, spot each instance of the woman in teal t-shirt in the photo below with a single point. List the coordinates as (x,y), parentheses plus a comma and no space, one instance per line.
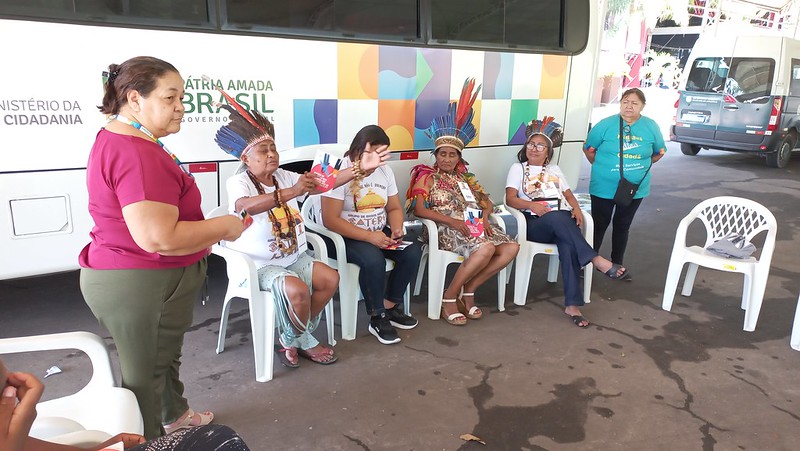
(642,145)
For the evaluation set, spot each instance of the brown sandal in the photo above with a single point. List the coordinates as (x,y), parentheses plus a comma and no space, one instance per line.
(456,319)
(474,312)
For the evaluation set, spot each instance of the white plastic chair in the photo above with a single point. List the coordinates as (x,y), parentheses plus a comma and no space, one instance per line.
(243,283)
(437,262)
(96,412)
(530,249)
(349,288)
(795,340)
(723,216)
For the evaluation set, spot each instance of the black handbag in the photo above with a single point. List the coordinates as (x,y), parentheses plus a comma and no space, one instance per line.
(626,189)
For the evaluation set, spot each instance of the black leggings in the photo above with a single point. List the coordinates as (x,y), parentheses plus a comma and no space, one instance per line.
(606,211)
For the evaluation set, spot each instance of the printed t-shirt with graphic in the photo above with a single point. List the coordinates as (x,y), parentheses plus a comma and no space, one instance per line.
(259,241)
(124,170)
(644,141)
(367,208)
(523,177)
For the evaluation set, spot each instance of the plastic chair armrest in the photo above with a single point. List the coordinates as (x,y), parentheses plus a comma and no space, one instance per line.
(521,224)
(237,264)
(94,347)
(318,245)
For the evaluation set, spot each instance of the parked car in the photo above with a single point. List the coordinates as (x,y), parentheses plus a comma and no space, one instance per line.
(740,94)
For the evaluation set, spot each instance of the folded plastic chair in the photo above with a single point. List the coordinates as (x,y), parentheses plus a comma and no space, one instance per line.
(96,412)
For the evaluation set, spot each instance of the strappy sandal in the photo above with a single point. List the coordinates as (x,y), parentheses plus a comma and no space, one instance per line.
(474,312)
(189,419)
(456,319)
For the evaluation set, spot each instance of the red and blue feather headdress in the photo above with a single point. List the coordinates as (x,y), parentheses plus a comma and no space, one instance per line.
(244,129)
(455,129)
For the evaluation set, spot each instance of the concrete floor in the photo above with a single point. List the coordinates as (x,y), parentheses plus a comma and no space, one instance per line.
(639,378)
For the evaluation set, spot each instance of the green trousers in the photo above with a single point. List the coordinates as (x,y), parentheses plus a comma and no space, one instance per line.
(147,312)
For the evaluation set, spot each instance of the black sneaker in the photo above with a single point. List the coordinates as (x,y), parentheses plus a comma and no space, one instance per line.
(383,330)
(399,319)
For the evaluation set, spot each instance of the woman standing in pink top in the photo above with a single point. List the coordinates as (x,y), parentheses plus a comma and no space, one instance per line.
(146,261)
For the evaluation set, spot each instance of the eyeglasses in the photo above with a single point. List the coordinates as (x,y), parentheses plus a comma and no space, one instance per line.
(626,130)
(539,147)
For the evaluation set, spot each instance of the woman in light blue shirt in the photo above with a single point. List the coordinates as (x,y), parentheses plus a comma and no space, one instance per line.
(642,145)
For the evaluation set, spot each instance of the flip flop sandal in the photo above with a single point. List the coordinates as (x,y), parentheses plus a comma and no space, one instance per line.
(612,272)
(578,319)
(323,357)
(286,359)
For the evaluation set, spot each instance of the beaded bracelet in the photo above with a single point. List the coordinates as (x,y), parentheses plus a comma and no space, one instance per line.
(358,174)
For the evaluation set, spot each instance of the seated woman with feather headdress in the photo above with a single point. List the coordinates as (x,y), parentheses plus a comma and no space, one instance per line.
(539,189)
(451,196)
(276,240)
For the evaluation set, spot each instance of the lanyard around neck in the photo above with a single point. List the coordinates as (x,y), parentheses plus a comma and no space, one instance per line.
(143,129)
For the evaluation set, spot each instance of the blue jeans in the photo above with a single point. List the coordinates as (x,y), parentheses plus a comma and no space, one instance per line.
(574,252)
(372,275)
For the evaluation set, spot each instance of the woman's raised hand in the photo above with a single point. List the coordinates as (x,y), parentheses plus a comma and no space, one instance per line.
(374,156)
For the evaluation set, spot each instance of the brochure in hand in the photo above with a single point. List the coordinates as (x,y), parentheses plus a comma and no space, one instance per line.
(398,246)
(473,218)
(325,167)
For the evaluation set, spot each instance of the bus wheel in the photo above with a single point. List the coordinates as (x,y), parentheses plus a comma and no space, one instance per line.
(780,158)
(690,149)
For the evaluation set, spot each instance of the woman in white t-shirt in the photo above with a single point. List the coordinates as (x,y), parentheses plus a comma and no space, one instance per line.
(368,215)
(276,239)
(540,190)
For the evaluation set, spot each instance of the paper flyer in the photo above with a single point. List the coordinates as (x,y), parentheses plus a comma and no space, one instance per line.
(398,246)
(325,167)
(473,218)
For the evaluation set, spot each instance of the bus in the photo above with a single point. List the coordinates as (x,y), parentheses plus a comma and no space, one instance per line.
(320,70)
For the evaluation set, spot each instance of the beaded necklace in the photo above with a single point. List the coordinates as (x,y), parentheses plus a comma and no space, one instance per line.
(537,185)
(276,224)
(143,129)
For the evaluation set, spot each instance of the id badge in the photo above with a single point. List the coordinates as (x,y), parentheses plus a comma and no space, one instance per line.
(300,231)
(466,192)
(550,189)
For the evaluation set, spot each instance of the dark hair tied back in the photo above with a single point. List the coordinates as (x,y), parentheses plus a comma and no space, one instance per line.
(136,74)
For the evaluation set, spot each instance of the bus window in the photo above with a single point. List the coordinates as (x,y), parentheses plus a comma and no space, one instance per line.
(396,18)
(176,10)
(504,22)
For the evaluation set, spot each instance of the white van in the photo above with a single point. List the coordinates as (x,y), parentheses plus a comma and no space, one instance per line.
(742,94)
